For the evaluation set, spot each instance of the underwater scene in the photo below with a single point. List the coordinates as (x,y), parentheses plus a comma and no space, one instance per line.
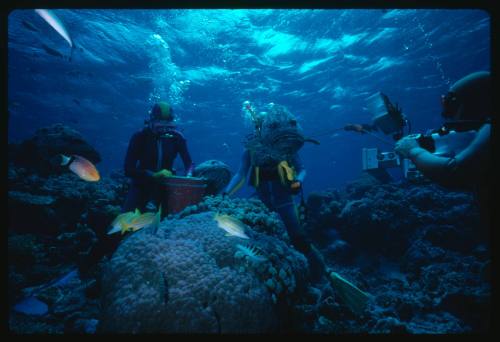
(249,171)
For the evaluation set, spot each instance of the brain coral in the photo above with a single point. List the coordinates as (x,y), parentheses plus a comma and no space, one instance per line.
(189,278)
(250,211)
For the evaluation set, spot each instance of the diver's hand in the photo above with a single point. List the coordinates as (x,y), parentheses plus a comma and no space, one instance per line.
(162,173)
(295,187)
(355,128)
(405,146)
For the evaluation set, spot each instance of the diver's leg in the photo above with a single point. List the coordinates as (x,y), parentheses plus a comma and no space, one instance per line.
(265,195)
(285,207)
(137,197)
(161,200)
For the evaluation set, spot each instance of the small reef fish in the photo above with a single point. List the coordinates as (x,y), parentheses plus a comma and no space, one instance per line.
(134,220)
(52,51)
(29,26)
(231,225)
(56,24)
(122,221)
(252,253)
(148,219)
(81,167)
(31,305)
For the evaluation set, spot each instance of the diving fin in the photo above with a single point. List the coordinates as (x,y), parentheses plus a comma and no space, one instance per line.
(350,295)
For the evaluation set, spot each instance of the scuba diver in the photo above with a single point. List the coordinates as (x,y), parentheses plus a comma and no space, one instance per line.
(390,119)
(277,173)
(467,106)
(150,157)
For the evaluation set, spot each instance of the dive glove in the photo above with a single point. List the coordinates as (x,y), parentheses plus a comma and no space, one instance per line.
(162,173)
(295,187)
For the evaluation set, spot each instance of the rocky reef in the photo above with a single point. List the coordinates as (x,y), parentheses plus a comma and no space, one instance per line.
(216,173)
(37,153)
(418,249)
(57,223)
(190,277)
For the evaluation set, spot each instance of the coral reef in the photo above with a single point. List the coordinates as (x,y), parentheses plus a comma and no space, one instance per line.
(252,212)
(37,152)
(420,249)
(216,173)
(188,278)
(56,222)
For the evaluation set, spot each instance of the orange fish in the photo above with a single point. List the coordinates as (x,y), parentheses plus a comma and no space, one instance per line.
(81,167)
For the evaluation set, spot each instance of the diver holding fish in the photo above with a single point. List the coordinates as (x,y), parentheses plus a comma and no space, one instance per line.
(277,173)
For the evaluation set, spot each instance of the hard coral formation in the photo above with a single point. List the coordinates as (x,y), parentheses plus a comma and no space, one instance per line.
(187,279)
(252,212)
(216,173)
(56,221)
(422,252)
(38,151)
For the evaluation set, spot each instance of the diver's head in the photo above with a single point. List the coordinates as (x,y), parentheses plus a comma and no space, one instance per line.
(469,98)
(161,118)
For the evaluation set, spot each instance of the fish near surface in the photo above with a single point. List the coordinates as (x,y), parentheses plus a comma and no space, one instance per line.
(81,167)
(29,26)
(52,51)
(56,24)
(231,225)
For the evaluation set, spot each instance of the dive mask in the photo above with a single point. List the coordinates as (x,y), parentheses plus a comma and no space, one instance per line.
(450,105)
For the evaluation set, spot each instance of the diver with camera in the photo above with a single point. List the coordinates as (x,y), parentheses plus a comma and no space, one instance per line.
(457,155)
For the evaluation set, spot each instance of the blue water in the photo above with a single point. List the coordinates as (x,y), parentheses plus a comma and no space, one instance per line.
(321,64)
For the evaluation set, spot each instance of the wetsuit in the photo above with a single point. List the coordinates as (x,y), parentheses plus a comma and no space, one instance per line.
(468,170)
(148,153)
(278,197)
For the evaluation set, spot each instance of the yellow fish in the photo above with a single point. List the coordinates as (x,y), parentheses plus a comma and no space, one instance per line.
(146,220)
(122,221)
(133,221)
(231,225)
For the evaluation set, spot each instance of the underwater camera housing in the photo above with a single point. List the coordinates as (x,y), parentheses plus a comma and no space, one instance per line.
(376,162)
(388,118)
(441,142)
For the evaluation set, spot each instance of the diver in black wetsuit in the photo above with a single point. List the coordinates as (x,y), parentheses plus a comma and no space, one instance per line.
(150,157)
(466,106)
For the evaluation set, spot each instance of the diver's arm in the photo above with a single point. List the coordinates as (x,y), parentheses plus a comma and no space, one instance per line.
(239,178)
(446,170)
(300,177)
(368,127)
(186,157)
(360,128)
(131,158)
